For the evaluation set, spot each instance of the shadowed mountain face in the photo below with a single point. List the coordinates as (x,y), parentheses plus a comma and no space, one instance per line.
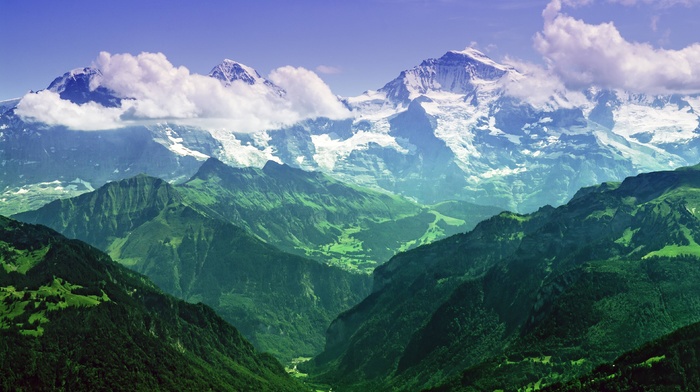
(529,299)
(70,318)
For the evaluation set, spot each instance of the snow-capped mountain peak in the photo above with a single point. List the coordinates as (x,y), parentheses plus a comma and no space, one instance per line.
(455,72)
(77,87)
(230,70)
(477,56)
(78,75)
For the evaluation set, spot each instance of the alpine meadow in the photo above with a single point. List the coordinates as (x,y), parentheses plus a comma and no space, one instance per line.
(381,195)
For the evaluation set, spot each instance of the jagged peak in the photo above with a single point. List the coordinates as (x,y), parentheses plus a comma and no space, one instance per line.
(140,182)
(60,84)
(273,168)
(213,167)
(476,55)
(81,85)
(230,70)
(210,165)
(454,72)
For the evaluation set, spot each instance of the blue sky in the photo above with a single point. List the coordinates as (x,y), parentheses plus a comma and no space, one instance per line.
(352,45)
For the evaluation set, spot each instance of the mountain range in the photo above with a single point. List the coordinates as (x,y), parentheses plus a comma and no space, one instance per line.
(243,240)
(459,127)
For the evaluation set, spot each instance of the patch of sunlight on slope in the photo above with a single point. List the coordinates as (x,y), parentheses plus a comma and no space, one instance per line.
(20,260)
(676,250)
(29,310)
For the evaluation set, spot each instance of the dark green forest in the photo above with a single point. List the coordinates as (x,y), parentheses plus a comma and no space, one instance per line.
(72,319)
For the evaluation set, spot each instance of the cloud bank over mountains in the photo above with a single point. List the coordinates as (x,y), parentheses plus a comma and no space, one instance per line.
(153,90)
(576,54)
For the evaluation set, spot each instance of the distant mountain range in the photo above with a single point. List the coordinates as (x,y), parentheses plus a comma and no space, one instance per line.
(528,300)
(71,319)
(459,127)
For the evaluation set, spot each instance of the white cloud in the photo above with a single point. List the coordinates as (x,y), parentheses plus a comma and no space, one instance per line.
(328,69)
(48,107)
(539,87)
(307,93)
(155,90)
(582,54)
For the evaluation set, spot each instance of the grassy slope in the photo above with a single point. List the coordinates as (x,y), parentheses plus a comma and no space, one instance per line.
(72,319)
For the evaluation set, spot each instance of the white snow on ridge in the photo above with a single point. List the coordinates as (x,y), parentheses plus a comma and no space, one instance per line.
(694,102)
(643,157)
(455,126)
(503,172)
(457,120)
(666,125)
(371,106)
(237,154)
(329,151)
(481,57)
(177,147)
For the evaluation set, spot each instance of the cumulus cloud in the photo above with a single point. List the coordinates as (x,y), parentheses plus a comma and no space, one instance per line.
(583,54)
(153,90)
(48,107)
(307,93)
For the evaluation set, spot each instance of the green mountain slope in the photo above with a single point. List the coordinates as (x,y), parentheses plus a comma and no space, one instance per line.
(311,214)
(528,300)
(283,303)
(71,319)
(670,363)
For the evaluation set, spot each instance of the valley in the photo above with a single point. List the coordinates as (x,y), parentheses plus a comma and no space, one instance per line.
(278,252)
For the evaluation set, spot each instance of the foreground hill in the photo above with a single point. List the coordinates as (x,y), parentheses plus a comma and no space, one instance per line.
(283,303)
(524,301)
(71,319)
